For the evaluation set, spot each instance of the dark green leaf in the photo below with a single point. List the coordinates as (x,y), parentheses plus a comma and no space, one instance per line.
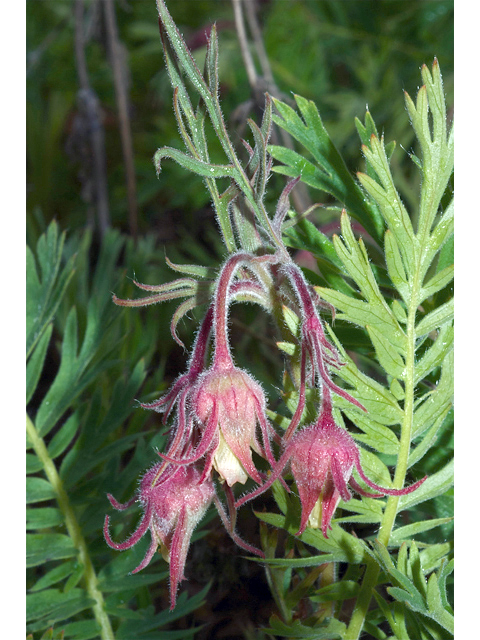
(83,630)
(332,630)
(136,628)
(44,547)
(33,464)
(52,606)
(43,518)
(332,175)
(64,436)
(342,590)
(74,373)
(39,490)
(55,575)
(35,363)
(46,288)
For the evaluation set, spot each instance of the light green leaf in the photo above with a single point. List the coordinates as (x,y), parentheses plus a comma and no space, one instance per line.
(291,319)
(445,570)
(381,404)
(377,436)
(369,510)
(435,319)
(437,283)
(425,445)
(442,232)
(437,149)
(410,530)
(435,605)
(388,357)
(195,165)
(391,208)
(435,403)
(434,555)
(435,355)
(395,618)
(395,267)
(412,600)
(375,469)
(340,545)
(375,311)
(332,175)
(397,389)
(433,486)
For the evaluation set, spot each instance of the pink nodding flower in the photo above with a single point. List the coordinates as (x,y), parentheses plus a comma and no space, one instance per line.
(322,457)
(226,404)
(320,351)
(173,503)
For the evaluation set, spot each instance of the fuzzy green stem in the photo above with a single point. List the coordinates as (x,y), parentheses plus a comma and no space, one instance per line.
(74,531)
(373,570)
(212,105)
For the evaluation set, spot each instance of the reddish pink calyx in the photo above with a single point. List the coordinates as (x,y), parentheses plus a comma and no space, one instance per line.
(173,502)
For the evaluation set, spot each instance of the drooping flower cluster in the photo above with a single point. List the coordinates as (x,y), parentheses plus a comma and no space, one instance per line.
(219,424)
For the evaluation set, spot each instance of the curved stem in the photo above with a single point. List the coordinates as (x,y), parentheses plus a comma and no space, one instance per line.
(222,357)
(74,531)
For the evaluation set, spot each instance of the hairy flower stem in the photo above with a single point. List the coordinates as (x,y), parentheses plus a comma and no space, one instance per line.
(74,531)
(373,569)
(222,357)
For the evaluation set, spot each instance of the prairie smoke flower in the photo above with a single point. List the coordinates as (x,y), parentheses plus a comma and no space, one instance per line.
(225,404)
(173,503)
(322,457)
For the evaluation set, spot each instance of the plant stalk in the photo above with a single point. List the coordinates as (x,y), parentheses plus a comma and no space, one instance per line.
(74,531)
(388,521)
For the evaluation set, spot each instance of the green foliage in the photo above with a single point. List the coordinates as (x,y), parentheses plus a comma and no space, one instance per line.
(402,303)
(78,429)
(339,55)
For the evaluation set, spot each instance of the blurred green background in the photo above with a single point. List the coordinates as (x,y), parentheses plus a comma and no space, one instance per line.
(341,54)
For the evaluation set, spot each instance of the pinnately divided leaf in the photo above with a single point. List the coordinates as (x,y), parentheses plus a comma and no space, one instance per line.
(47,284)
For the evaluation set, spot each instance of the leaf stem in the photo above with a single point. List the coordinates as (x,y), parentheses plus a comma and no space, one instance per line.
(74,531)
